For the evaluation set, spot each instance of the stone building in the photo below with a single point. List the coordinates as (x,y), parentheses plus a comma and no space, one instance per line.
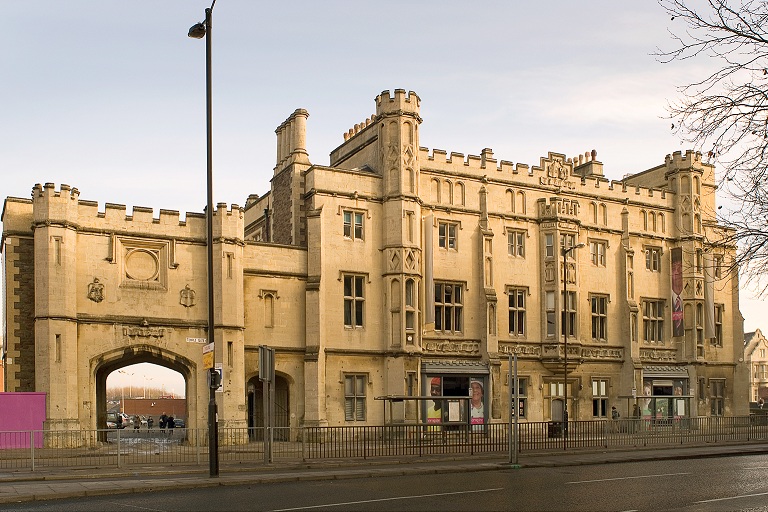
(756,355)
(393,271)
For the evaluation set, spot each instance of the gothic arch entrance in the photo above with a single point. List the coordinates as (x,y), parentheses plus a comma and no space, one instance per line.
(256,409)
(109,362)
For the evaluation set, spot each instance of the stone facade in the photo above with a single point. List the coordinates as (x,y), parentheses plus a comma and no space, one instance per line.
(393,271)
(756,355)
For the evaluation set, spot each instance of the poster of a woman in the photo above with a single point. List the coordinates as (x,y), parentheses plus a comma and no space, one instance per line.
(477,406)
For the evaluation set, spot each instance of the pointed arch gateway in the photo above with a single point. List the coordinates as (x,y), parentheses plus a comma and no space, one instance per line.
(103,365)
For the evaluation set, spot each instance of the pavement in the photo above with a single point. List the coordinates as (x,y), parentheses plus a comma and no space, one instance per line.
(24,485)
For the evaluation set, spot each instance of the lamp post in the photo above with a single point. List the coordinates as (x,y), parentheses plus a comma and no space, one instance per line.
(566,251)
(145,386)
(130,388)
(198,31)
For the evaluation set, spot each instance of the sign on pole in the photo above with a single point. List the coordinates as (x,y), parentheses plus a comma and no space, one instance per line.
(266,363)
(208,356)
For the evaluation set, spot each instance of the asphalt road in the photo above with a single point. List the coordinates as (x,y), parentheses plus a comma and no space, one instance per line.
(725,483)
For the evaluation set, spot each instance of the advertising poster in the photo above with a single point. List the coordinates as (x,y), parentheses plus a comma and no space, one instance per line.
(477,404)
(434,408)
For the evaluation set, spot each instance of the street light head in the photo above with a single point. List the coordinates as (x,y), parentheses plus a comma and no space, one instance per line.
(197,31)
(566,250)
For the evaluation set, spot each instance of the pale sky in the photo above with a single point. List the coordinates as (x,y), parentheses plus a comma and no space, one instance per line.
(109,96)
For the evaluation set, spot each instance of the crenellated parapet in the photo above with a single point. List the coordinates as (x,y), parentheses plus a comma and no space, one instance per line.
(554,172)
(55,206)
(398,104)
(359,127)
(50,206)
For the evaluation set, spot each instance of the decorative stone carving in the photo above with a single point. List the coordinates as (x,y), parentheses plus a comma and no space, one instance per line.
(452,347)
(549,272)
(524,350)
(96,290)
(187,297)
(144,331)
(616,354)
(655,354)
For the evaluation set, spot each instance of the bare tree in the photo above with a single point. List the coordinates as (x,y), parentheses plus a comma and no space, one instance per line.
(724,112)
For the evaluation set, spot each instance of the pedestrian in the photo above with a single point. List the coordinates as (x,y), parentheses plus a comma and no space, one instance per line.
(163,421)
(615,417)
(136,422)
(170,423)
(150,422)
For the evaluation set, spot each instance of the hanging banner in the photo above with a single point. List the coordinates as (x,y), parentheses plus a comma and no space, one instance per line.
(678,322)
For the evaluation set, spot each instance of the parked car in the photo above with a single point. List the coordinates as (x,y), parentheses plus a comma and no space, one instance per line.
(179,423)
(115,420)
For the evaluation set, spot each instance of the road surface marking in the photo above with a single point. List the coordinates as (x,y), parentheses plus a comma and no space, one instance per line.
(387,499)
(733,497)
(625,478)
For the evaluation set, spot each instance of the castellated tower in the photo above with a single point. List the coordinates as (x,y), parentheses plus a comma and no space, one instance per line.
(693,181)
(55,262)
(397,122)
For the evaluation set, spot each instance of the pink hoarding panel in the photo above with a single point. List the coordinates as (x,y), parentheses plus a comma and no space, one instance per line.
(19,414)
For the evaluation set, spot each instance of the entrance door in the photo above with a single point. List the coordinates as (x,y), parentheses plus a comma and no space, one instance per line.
(256,410)
(557,410)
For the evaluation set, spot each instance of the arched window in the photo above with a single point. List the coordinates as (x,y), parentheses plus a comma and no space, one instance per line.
(653,221)
(685,184)
(410,301)
(448,196)
(269,310)
(459,193)
(510,194)
(696,185)
(697,220)
(593,212)
(491,319)
(436,190)
(662,225)
(521,201)
(644,219)
(603,214)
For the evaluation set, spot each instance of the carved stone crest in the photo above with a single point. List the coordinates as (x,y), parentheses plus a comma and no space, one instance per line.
(96,290)
(187,297)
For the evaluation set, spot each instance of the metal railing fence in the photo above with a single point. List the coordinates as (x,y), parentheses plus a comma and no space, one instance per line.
(103,448)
